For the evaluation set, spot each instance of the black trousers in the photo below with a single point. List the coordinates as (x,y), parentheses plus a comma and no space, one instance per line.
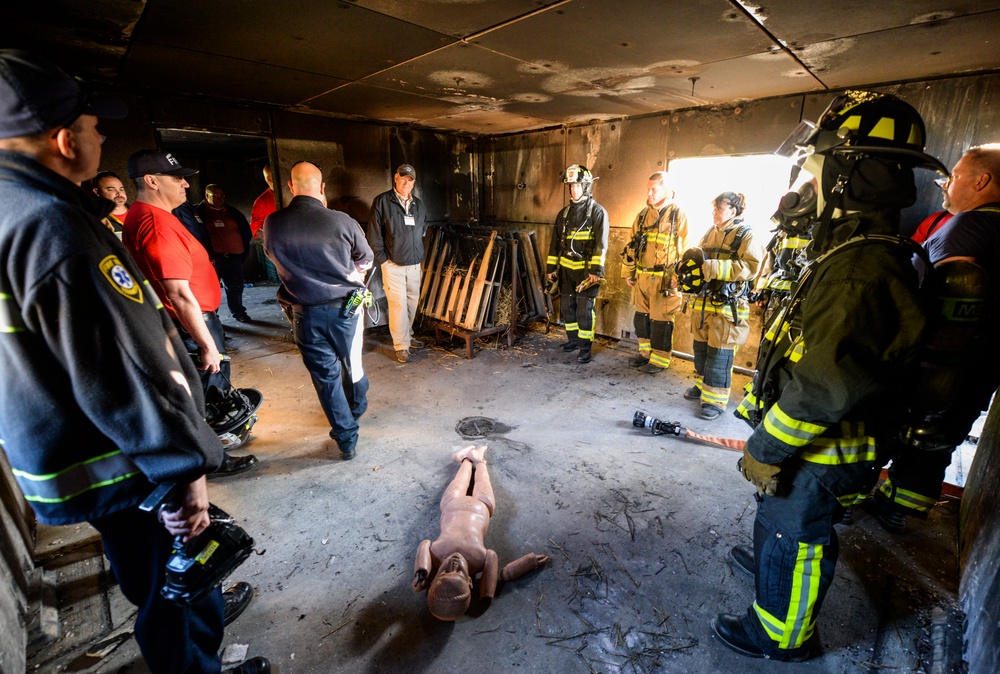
(172,638)
(229,267)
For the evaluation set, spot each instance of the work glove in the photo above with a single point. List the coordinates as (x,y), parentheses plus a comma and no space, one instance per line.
(689,276)
(764,476)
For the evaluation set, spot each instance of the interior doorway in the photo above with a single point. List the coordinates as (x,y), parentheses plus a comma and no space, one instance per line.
(235,163)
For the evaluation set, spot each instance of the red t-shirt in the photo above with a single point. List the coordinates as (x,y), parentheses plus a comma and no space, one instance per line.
(262,207)
(930,224)
(164,249)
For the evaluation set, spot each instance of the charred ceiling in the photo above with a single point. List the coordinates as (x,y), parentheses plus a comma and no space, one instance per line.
(488,67)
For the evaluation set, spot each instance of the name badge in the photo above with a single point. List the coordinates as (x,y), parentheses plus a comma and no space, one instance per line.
(409,220)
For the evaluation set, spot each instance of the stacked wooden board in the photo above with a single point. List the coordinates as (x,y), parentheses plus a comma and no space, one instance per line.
(465,269)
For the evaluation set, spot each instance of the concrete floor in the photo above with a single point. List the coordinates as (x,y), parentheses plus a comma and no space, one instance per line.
(638,527)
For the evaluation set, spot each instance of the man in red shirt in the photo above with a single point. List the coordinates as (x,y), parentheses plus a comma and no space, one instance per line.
(180,271)
(264,205)
(229,235)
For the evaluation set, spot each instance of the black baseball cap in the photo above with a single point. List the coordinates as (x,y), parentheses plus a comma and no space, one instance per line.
(36,95)
(149,162)
(406,170)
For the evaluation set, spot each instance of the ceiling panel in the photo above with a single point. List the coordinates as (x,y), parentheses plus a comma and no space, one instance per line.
(917,52)
(483,66)
(180,71)
(597,38)
(362,100)
(798,25)
(458,18)
(326,37)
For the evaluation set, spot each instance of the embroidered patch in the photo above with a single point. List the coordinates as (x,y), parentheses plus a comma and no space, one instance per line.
(115,271)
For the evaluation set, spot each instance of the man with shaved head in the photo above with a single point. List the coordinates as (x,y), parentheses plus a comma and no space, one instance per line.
(321,256)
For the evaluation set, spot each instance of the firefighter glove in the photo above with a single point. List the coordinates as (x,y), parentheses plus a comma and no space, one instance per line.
(689,274)
(764,476)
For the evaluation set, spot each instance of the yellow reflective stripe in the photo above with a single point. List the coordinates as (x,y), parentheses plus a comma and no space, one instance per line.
(65,484)
(852,499)
(794,242)
(659,359)
(715,396)
(649,273)
(572,326)
(589,334)
(725,269)
(10,315)
(805,590)
(774,627)
(840,451)
(552,259)
(575,265)
(597,260)
(152,293)
(790,431)
(742,312)
(885,128)
(582,235)
(645,347)
(658,238)
(907,499)
(853,123)
(778,283)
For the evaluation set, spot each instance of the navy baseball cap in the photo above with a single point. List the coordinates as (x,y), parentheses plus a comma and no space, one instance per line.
(36,96)
(156,162)
(406,170)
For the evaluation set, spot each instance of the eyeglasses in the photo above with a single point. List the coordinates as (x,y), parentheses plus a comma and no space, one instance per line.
(943,182)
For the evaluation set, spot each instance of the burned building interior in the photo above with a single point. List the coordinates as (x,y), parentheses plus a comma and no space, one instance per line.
(490,101)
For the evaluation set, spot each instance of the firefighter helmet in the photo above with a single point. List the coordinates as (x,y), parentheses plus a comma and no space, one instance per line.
(233,417)
(578,174)
(876,125)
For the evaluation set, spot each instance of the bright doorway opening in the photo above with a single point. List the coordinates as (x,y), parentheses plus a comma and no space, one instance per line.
(762,179)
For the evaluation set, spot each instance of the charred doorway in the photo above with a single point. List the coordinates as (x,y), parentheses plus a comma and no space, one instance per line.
(232,161)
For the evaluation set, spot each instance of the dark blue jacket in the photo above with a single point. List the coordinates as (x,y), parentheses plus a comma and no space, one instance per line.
(97,395)
(314,250)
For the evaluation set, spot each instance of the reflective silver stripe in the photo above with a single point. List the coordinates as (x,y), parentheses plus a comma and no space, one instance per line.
(10,317)
(59,487)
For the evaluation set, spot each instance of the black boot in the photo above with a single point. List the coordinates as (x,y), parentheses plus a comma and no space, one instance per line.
(741,557)
(584,356)
(731,630)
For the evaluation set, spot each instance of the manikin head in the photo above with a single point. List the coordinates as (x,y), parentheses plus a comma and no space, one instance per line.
(450,593)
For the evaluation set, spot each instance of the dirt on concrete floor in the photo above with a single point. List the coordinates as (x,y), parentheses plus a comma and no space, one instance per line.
(638,527)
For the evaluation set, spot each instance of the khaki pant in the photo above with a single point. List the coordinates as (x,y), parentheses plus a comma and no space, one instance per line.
(402,290)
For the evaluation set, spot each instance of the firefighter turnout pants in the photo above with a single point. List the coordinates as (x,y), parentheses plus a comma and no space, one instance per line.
(654,316)
(716,336)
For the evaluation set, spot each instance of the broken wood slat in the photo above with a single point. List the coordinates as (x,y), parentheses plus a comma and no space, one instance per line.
(456,285)
(492,291)
(534,274)
(456,318)
(477,292)
(435,281)
(425,282)
(489,318)
(442,299)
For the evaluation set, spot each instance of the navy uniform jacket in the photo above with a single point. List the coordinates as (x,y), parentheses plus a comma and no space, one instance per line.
(840,366)
(98,397)
(314,250)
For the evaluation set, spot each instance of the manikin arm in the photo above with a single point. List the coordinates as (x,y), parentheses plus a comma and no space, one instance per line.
(422,567)
(523,566)
(488,581)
